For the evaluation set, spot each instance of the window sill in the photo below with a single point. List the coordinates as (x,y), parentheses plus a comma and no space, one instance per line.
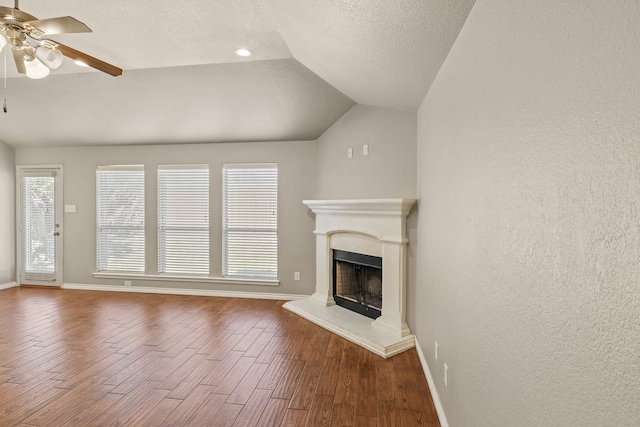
(197,279)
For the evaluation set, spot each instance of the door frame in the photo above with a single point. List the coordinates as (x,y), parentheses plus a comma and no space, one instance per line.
(59,214)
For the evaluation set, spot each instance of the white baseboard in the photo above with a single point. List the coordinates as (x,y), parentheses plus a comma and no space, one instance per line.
(180,291)
(432,387)
(8,285)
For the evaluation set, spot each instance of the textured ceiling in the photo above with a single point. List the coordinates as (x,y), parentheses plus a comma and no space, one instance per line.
(182,82)
(377,52)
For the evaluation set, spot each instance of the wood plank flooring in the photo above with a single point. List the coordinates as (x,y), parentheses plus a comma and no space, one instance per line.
(80,358)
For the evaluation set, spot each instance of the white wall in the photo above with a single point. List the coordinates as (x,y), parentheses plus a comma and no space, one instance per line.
(529,224)
(7,215)
(296,168)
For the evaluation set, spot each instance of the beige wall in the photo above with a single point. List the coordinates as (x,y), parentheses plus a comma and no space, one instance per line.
(307,170)
(296,169)
(529,224)
(388,170)
(7,215)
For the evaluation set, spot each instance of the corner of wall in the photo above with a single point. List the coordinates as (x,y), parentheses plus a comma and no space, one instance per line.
(382,143)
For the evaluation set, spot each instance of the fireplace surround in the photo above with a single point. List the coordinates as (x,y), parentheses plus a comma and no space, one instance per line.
(372,227)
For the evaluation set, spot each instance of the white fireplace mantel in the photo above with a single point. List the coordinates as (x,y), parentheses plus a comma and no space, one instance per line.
(373,227)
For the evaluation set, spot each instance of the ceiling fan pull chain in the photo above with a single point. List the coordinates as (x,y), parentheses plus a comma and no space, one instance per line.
(4,106)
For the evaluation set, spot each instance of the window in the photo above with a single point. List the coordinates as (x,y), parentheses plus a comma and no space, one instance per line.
(120,211)
(250,220)
(183,219)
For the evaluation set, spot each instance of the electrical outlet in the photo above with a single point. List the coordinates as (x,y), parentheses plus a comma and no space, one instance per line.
(127,282)
(436,351)
(296,275)
(365,150)
(349,153)
(446,375)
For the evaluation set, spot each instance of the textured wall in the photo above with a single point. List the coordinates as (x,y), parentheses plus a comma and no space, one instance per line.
(7,215)
(529,223)
(296,243)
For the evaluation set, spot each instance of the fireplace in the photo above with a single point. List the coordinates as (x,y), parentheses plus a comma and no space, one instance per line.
(357,282)
(373,229)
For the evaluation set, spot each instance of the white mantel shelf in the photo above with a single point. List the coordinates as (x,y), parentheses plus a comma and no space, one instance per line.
(362,206)
(374,227)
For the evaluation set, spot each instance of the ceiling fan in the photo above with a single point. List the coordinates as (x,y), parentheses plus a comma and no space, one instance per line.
(34,55)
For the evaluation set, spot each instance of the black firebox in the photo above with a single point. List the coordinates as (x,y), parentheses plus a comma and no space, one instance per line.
(357,282)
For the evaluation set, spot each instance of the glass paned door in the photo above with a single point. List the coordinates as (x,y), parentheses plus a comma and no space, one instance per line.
(40,229)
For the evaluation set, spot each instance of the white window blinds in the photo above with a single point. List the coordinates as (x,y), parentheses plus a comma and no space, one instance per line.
(183,219)
(250,220)
(120,211)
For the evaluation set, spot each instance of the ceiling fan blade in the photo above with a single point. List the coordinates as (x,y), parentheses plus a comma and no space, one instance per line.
(18,56)
(16,14)
(60,25)
(76,55)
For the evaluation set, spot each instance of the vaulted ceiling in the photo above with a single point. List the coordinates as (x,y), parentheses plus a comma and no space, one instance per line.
(182,83)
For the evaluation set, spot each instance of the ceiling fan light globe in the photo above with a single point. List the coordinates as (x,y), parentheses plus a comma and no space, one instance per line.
(3,42)
(36,69)
(52,58)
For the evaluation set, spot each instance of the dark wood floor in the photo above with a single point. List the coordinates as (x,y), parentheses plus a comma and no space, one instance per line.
(98,358)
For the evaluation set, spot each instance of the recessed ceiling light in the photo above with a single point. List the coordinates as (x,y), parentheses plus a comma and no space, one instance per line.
(243,52)
(80,63)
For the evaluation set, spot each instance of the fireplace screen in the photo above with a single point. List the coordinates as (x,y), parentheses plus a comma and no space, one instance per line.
(357,282)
